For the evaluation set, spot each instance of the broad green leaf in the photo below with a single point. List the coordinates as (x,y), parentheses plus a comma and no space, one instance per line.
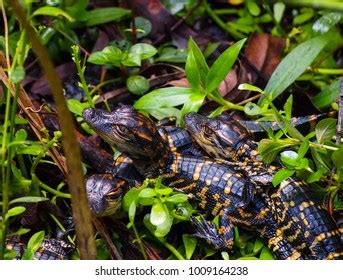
(132,59)
(288,107)
(164,228)
(143,26)
(190,244)
(293,65)
(194,103)
(159,214)
(28,199)
(325,130)
(17,74)
(143,50)
(147,193)
(258,246)
(327,96)
(20,135)
(104,15)
(278,9)
(315,177)
(77,106)
(326,22)
(200,60)
(269,149)
(222,66)
(137,84)
(337,158)
(281,175)
(51,11)
(129,197)
(289,158)
(161,113)
(109,54)
(33,245)
(320,160)
(192,71)
(164,97)
(32,149)
(266,254)
(253,8)
(177,198)
(15,211)
(303,148)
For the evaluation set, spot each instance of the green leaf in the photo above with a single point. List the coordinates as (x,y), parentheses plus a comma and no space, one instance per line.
(132,211)
(288,107)
(249,87)
(253,8)
(109,54)
(252,109)
(266,254)
(129,197)
(281,175)
(293,65)
(15,211)
(137,84)
(164,97)
(159,214)
(104,15)
(315,177)
(289,158)
(161,113)
(177,198)
(326,22)
(164,228)
(77,106)
(32,149)
(257,246)
(278,9)
(17,74)
(194,103)
(147,193)
(143,25)
(143,50)
(325,130)
(303,148)
(327,96)
(33,245)
(51,11)
(190,244)
(269,149)
(192,71)
(131,59)
(337,158)
(222,66)
(28,199)
(200,60)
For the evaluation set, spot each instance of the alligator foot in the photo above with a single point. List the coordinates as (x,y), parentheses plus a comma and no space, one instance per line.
(221,239)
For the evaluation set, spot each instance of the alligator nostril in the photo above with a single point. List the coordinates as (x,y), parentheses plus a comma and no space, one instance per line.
(88,113)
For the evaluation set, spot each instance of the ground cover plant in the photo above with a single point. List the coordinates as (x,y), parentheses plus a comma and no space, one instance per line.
(260,61)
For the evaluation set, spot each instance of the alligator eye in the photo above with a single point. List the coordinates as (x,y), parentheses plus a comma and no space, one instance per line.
(123,130)
(207,130)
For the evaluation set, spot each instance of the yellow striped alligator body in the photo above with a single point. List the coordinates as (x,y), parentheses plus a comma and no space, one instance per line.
(218,189)
(50,249)
(305,223)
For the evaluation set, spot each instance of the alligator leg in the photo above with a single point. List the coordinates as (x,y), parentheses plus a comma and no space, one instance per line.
(222,238)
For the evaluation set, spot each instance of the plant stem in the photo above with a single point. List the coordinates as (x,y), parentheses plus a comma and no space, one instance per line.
(172,249)
(139,241)
(234,33)
(326,71)
(51,190)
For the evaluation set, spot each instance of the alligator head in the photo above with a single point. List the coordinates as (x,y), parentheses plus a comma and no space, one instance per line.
(132,133)
(217,136)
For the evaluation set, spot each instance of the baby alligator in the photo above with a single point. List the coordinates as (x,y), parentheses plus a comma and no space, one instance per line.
(219,190)
(307,225)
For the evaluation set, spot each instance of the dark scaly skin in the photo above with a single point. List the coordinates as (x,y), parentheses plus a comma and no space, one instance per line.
(306,224)
(50,249)
(304,124)
(218,189)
